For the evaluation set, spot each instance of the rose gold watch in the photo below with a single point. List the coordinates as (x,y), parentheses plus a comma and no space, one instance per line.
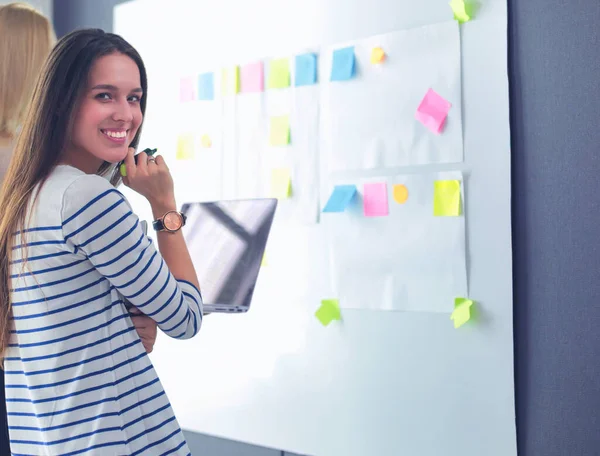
(171,222)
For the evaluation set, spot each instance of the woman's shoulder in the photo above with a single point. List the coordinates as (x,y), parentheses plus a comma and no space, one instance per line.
(70,182)
(67,186)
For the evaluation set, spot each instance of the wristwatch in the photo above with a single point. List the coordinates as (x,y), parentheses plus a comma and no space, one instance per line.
(171,222)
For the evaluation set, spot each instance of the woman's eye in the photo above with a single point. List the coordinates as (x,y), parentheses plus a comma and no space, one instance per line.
(134,99)
(103,96)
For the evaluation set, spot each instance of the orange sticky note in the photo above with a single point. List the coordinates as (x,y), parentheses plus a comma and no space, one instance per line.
(205,141)
(400,193)
(377,55)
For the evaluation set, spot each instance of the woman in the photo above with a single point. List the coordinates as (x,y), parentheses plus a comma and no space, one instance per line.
(26,37)
(78,379)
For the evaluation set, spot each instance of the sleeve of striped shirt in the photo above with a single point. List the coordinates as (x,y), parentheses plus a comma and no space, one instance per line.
(98,222)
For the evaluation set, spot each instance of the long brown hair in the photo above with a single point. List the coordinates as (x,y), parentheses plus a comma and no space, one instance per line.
(26,38)
(45,134)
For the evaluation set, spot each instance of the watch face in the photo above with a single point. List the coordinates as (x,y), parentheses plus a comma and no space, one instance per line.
(172,221)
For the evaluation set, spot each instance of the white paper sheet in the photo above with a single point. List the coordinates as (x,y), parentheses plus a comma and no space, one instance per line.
(369,121)
(252,130)
(406,261)
(301,156)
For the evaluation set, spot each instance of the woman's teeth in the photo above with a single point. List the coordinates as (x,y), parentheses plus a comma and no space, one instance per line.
(115,134)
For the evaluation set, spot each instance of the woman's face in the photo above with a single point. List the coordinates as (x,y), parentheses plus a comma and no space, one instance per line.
(109,114)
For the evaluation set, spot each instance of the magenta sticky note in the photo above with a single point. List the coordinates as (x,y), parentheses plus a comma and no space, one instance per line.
(375,199)
(186,89)
(432,111)
(253,77)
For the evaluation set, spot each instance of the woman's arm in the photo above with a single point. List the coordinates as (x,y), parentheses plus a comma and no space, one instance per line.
(98,223)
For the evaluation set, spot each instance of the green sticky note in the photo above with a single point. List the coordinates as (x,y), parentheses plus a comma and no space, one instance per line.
(230,81)
(462,311)
(279,134)
(329,311)
(446,198)
(281,183)
(279,74)
(460,10)
(185,147)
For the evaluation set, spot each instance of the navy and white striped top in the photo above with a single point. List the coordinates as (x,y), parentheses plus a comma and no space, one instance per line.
(78,380)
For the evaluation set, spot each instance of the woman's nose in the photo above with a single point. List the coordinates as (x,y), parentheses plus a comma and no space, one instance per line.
(123,112)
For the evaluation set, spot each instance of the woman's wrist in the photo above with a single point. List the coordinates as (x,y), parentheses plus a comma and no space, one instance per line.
(161,207)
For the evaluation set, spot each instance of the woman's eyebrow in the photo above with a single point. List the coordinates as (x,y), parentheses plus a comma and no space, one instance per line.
(114,88)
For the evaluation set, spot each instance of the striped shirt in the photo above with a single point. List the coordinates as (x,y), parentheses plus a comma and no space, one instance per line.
(78,380)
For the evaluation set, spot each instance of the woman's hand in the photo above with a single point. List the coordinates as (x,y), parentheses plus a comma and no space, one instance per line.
(150,177)
(145,327)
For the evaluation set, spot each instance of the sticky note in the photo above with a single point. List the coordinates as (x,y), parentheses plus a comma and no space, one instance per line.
(185,147)
(281,183)
(279,74)
(329,311)
(264,263)
(206,86)
(306,70)
(343,66)
(340,198)
(230,80)
(446,198)
(432,111)
(186,89)
(459,8)
(462,311)
(205,141)
(279,132)
(377,55)
(375,199)
(253,77)
(400,193)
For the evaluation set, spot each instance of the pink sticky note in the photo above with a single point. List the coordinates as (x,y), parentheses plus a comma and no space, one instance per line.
(253,77)
(186,89)
(432,111)
(375,199)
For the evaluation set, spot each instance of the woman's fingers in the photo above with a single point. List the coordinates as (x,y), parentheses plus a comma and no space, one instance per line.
(160,161)
(130,163)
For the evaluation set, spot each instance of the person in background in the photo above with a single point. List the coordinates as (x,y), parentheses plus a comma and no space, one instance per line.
(26,39)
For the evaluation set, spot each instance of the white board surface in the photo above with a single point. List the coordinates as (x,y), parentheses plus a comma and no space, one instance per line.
(384,383)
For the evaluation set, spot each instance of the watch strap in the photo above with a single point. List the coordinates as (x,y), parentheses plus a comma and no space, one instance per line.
(158,225)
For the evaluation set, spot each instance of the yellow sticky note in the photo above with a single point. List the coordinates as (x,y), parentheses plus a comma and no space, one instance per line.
(377,55)
(264,262)
(329,311)
(459,8)
(230,80)
(205,141)
(281,183)
(446,198)
(279,74)
(400,193)
(279,134)
(185,147)
(462,311)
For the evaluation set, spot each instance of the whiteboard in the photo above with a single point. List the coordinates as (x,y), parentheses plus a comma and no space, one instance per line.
(384,383)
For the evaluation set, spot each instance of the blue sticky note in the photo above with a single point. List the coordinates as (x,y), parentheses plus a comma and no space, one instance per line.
(306,70)
(206,86)
(340,198)
(344,64)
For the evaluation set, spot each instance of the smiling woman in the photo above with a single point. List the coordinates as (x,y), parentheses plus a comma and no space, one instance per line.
(72,252)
